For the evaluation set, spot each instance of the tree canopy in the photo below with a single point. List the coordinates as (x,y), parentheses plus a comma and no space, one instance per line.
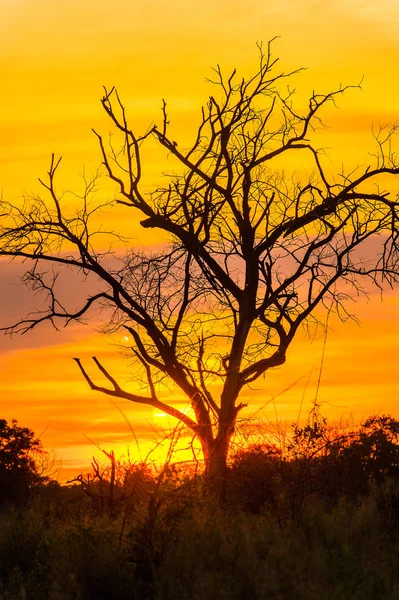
(18,470)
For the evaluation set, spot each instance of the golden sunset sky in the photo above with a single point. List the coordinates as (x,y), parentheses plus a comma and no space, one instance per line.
(54,59)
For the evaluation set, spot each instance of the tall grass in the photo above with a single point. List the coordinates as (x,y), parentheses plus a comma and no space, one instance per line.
(320,522)
(202,550)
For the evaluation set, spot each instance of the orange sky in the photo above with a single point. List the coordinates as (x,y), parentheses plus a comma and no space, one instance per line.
(54,59)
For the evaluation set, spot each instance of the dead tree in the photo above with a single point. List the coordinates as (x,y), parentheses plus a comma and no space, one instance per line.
(116,486)
(254,253)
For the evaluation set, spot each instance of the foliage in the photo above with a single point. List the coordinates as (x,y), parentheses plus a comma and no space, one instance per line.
(319,461)
(19,474)
(347,552)
(296,523)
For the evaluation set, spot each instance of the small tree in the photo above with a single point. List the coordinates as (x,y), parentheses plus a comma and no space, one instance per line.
(18,471)
(252,255)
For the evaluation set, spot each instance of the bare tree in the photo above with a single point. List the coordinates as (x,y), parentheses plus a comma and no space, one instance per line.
(253,253)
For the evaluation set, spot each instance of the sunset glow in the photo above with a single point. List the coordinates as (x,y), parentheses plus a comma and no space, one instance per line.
(55,57)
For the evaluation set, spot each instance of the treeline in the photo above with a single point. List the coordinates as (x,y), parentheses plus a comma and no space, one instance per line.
(314,516)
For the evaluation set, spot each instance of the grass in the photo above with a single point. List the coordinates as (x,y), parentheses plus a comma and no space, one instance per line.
(320,523)
(204,550)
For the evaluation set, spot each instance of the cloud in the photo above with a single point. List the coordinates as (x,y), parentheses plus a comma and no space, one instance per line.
(18,302)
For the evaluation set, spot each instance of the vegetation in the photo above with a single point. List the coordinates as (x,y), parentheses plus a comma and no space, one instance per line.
(316,517)
(252,253)
(20,473)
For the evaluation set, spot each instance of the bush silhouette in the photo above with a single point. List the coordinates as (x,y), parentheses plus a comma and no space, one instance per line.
(318,461)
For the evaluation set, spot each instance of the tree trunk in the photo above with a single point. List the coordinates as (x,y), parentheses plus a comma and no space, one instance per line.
(215,457)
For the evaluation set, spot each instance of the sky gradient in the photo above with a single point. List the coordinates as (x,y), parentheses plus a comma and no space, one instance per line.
(54,60)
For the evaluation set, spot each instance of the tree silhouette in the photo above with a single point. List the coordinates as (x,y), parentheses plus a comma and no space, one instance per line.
(18,471)
(252,253)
